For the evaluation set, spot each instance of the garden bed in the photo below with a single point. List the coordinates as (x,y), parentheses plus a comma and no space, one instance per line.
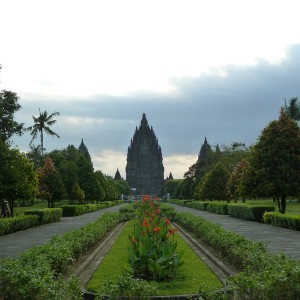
(191,275)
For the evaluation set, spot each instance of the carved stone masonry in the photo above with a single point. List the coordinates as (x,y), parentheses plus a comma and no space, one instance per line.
(144,169)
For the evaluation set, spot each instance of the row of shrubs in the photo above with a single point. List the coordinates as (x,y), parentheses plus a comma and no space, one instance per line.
(38,273)
(128,212)
(10,225)
(37,217)
(76,210)
(282,220)
(264,276)
(31,218)
(241,211)
(46,215)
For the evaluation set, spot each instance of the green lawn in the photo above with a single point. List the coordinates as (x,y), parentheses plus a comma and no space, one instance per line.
(193,273)
(19,211)
(292,207)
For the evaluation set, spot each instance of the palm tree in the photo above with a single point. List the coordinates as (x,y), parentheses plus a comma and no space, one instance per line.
(292,109)
(42,124)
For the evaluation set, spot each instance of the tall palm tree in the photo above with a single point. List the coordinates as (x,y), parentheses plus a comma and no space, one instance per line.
(292,108)
(42,124)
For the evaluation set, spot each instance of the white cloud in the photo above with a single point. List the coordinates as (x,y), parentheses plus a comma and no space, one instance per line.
(178,164)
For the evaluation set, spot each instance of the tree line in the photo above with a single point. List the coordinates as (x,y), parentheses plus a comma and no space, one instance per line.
(269,168)
(61,174)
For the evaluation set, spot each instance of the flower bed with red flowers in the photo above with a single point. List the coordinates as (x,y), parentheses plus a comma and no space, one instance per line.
(152,252)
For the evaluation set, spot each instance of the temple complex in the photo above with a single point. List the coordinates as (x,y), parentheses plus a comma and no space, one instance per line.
(144,169)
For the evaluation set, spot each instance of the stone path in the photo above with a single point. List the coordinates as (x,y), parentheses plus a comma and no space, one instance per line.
(16,243)
(278,239)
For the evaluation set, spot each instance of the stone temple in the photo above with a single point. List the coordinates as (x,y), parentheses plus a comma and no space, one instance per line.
(144,169)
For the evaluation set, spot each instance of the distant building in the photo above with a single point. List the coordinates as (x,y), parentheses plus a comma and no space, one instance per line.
(144,169)
(170,177)
(83,149)
(205,151)
(117,175)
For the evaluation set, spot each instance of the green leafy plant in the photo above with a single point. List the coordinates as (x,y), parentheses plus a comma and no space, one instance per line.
(152,253)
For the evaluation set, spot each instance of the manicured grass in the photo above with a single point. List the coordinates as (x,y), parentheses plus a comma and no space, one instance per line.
(19,211)
(292,207)
(193,273)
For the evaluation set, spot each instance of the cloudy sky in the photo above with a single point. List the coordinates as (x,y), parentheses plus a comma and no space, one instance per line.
(215,69)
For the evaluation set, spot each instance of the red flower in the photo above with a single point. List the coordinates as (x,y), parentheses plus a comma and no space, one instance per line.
(147,213)
(157,229)
(146,223)
(157,211)
(167,221)
(172,231)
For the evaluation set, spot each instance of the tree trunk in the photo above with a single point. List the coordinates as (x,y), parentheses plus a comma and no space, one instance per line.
(42,142)
(278,202)
(283,204)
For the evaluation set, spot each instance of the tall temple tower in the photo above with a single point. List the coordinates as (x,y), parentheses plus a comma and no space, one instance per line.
(144,169)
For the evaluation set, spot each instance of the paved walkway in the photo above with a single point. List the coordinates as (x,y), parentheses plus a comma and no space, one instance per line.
(16,243)
(278,239)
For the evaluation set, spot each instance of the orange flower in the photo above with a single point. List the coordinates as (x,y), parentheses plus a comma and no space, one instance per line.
(146,198)
(146,223)
(172,231)
(167,221)
(157,211)
(157,230)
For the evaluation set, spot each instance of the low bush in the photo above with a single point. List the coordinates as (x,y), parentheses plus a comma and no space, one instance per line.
(38,272)
(217,208)
(127,287)
(264,276)
(74,210)
(198,205)
(249,212)
(282,220)
(47,215)
(10,225)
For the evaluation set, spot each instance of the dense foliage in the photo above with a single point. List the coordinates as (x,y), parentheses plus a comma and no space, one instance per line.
(275,160)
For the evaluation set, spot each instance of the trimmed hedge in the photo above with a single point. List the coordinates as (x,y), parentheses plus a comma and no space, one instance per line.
(288,221)
(47,215)
(38,273)
(264,276)
(73,210)
(249,212)
(198,205)
(10,225)
(218,208)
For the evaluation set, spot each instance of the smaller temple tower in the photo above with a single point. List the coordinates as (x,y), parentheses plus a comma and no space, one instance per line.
(117,175)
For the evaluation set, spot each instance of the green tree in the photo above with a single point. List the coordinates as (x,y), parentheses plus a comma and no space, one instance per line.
(292,108)
(213,185)
(35,156)
(86,178)
(122,186)
(50,184)
(276,160)
(42,125)
(8,107)
(77,195)
(170,187)
(234,184)
(18,180)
